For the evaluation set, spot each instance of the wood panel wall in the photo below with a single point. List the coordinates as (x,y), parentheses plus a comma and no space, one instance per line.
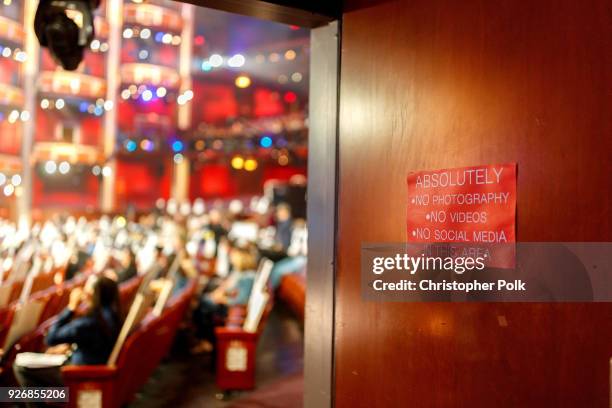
(428,84)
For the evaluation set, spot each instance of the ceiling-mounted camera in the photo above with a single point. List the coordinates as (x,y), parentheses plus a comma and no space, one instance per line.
(66,28)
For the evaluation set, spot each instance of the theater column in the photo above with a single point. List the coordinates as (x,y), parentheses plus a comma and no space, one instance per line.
(180,180)
(114,9)
(30,72)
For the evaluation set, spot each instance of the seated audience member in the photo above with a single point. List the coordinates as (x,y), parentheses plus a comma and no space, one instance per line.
(217,224)
(186,271)
(296,255)
(180,277)
(235,290)
(77,263)
(284,226)
(87,328)
(127,268)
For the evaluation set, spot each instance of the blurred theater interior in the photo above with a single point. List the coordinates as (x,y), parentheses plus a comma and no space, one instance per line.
(171,162)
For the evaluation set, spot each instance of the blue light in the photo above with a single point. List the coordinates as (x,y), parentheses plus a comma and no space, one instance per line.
(83,107)
(266,142)
(131,146)
(98,111)
(206,66)
(177,146)
(159,36)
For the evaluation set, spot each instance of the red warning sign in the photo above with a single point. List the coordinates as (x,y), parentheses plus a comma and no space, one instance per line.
(468,205)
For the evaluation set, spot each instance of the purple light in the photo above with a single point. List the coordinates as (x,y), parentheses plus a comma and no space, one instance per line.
(147,145)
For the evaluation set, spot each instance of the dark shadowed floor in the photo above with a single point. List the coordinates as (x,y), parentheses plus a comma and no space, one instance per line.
(189,381)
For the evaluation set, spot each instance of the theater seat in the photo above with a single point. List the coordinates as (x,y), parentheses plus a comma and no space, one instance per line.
(292,291)
(236,358)
(42,281)
(17,287)
(113,386)
(236,349)
(35,341)
(127,291)
(54,297)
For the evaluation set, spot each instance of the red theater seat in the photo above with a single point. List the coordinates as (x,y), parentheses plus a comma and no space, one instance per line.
(17,287)
(42,289)
(236,350)
(127,291)
(292,291)
(114,386)
(42,281)
(58,300)
(6,318)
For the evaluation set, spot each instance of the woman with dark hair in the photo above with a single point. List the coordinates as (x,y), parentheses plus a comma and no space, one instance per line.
(90,324)
(127,269)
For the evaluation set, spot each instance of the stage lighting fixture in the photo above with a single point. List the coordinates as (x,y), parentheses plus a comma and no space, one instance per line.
(64,167)
(177,146)
(236,61)
(206,66)
(50,167)
(215,60)
(147,145)
(250,164)
(9,189)
(243,81)
(66,28)
(237,162)
(265,142)
(131,145)
(178,158)
(147,95)
(283,160)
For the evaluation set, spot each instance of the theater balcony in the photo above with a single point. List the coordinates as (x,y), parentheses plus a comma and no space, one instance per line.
(102,28)
(71,106)
(12,114)
(150,51)
(72,85)
(12,55)
(150,74)
(11,96)
(153,16)
(59,152)
(69,132)
(66,175)
(11,31)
